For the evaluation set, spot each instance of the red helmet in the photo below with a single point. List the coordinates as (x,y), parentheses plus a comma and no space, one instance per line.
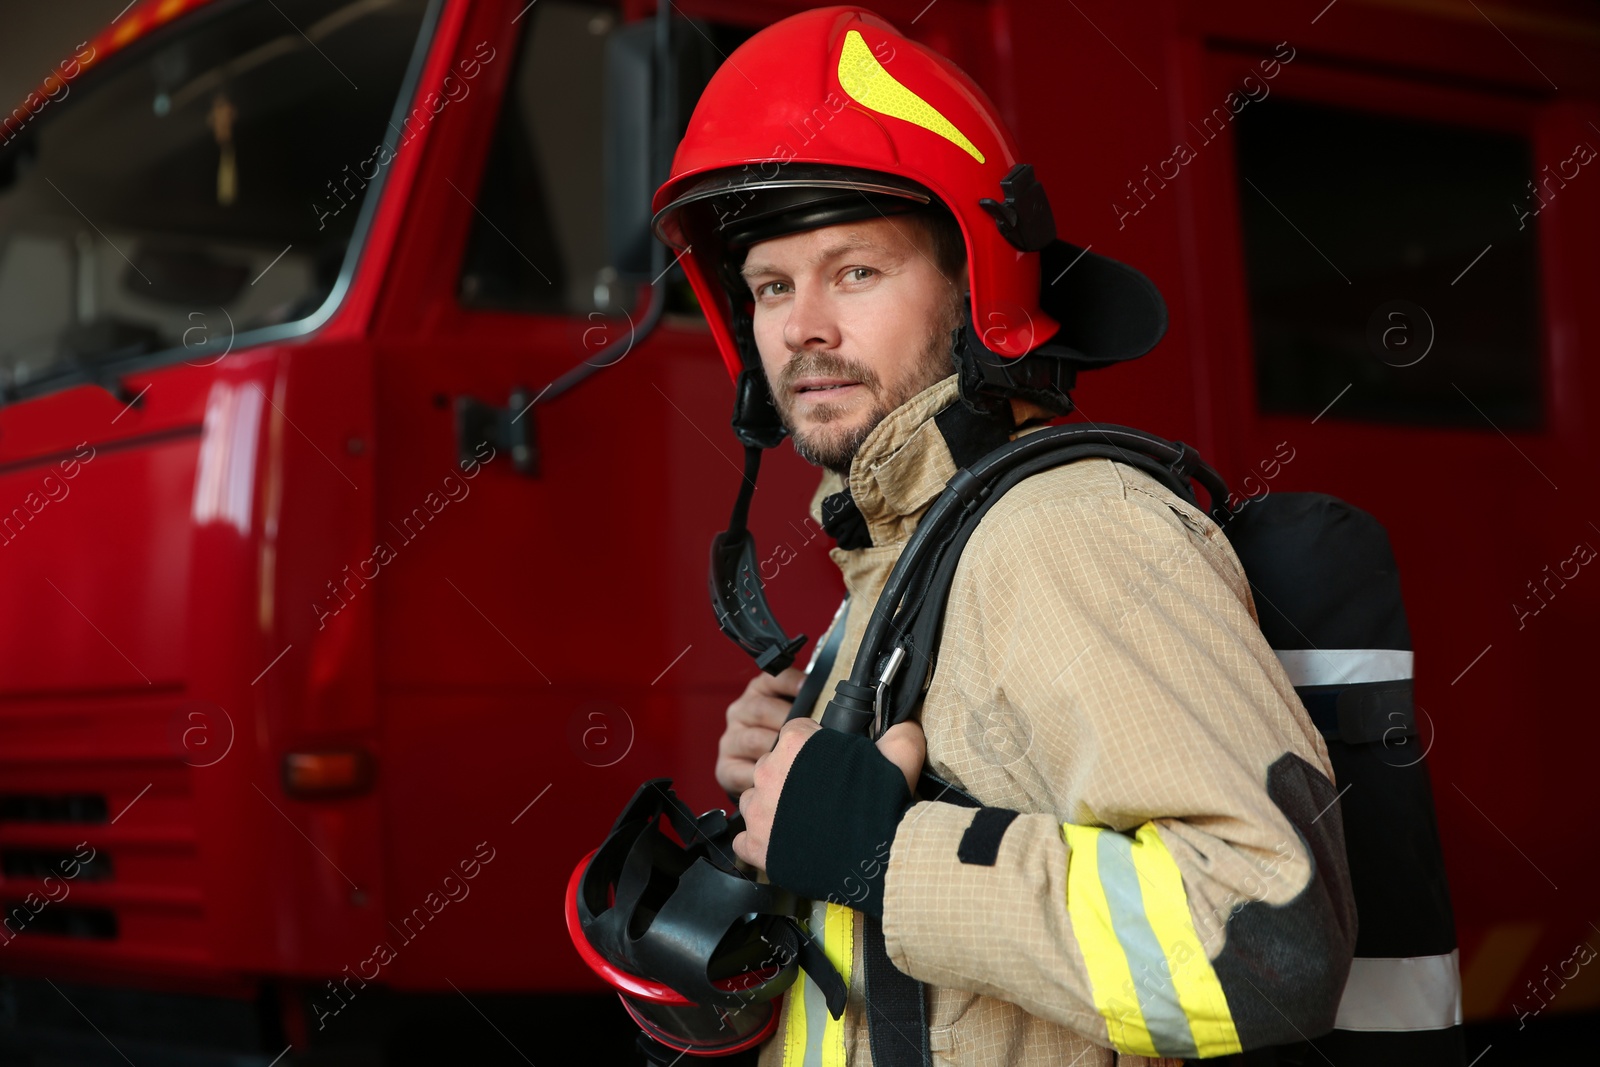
(846,119)
(832,116)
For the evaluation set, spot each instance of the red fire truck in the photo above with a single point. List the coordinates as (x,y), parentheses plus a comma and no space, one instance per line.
(357,476)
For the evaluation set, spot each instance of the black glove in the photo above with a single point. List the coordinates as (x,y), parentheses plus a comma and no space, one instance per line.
(835,821)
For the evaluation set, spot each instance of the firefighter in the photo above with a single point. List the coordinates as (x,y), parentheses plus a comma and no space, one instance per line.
(1156,871)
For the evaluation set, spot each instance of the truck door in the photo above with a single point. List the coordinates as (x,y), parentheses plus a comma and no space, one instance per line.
(1391,268)
(543,633)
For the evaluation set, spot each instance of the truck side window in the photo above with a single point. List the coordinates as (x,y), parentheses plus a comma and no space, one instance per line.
(212,172)
(1393,215)
(538,240)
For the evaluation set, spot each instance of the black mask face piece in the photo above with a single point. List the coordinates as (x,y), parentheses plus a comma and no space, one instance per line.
(697,949)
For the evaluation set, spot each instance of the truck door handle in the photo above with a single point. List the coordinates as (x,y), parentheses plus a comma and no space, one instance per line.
(510,428)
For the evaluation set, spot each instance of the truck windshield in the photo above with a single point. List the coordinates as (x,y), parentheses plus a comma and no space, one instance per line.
(202,184)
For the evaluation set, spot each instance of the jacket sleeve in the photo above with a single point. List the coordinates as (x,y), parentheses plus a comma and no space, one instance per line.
(1188,894)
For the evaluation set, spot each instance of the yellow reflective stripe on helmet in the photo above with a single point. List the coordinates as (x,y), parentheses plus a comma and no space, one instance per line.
(866,82)
(1148,971)
(839,946)
(1110,978)
(1166,905)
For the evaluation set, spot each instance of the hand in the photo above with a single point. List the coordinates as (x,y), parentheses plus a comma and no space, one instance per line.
(903,745)
(753,722)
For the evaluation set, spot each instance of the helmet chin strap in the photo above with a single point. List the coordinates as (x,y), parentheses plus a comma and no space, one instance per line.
(989,382)
(737,594)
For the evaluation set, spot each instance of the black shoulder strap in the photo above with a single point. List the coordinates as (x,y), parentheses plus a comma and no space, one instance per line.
(914,599)
(821,665)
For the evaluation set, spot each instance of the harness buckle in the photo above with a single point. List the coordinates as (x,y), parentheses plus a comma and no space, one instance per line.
(1188,459)
(885,679)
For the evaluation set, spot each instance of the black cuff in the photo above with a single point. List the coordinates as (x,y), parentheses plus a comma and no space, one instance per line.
(836,820)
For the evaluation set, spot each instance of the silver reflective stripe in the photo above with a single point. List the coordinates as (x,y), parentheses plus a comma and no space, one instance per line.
(816,1005)
(1158,999)
(1414,993)
(1344,666)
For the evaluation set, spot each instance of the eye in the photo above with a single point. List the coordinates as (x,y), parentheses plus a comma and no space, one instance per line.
(772,289)
(859,274)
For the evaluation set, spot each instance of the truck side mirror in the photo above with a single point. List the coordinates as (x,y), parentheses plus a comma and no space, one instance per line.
(655,71)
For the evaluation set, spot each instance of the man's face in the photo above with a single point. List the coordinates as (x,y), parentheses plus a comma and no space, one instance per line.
(851,322)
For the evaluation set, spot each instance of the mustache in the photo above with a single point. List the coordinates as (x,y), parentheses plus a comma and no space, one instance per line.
(824,365)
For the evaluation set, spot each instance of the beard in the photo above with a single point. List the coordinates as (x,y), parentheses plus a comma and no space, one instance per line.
(835,446)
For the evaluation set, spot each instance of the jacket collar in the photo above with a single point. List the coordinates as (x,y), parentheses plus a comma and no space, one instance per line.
(902,466)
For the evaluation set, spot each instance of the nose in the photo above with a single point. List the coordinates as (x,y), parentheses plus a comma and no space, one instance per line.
(812,322)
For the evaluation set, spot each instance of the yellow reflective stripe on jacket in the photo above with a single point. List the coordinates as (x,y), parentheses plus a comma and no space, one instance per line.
(1103,956)
(1148,972)
(1195,982)
(812,1037)
(840,946)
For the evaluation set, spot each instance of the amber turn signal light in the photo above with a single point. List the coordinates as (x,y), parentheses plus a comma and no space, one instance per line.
(317,775)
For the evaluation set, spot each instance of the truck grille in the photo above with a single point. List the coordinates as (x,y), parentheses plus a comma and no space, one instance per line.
(98,856)
(48,807)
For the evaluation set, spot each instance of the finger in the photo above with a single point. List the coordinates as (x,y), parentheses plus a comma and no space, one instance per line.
(735,776)
(761,761)
(904,745)
(740,752)
(801,728)
(733,751)
(785,749)
(768,711)
(786,681)
(789,680)
(907,735)
(753,742)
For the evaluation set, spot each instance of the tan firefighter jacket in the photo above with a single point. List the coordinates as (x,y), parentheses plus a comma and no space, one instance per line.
(1175,883)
